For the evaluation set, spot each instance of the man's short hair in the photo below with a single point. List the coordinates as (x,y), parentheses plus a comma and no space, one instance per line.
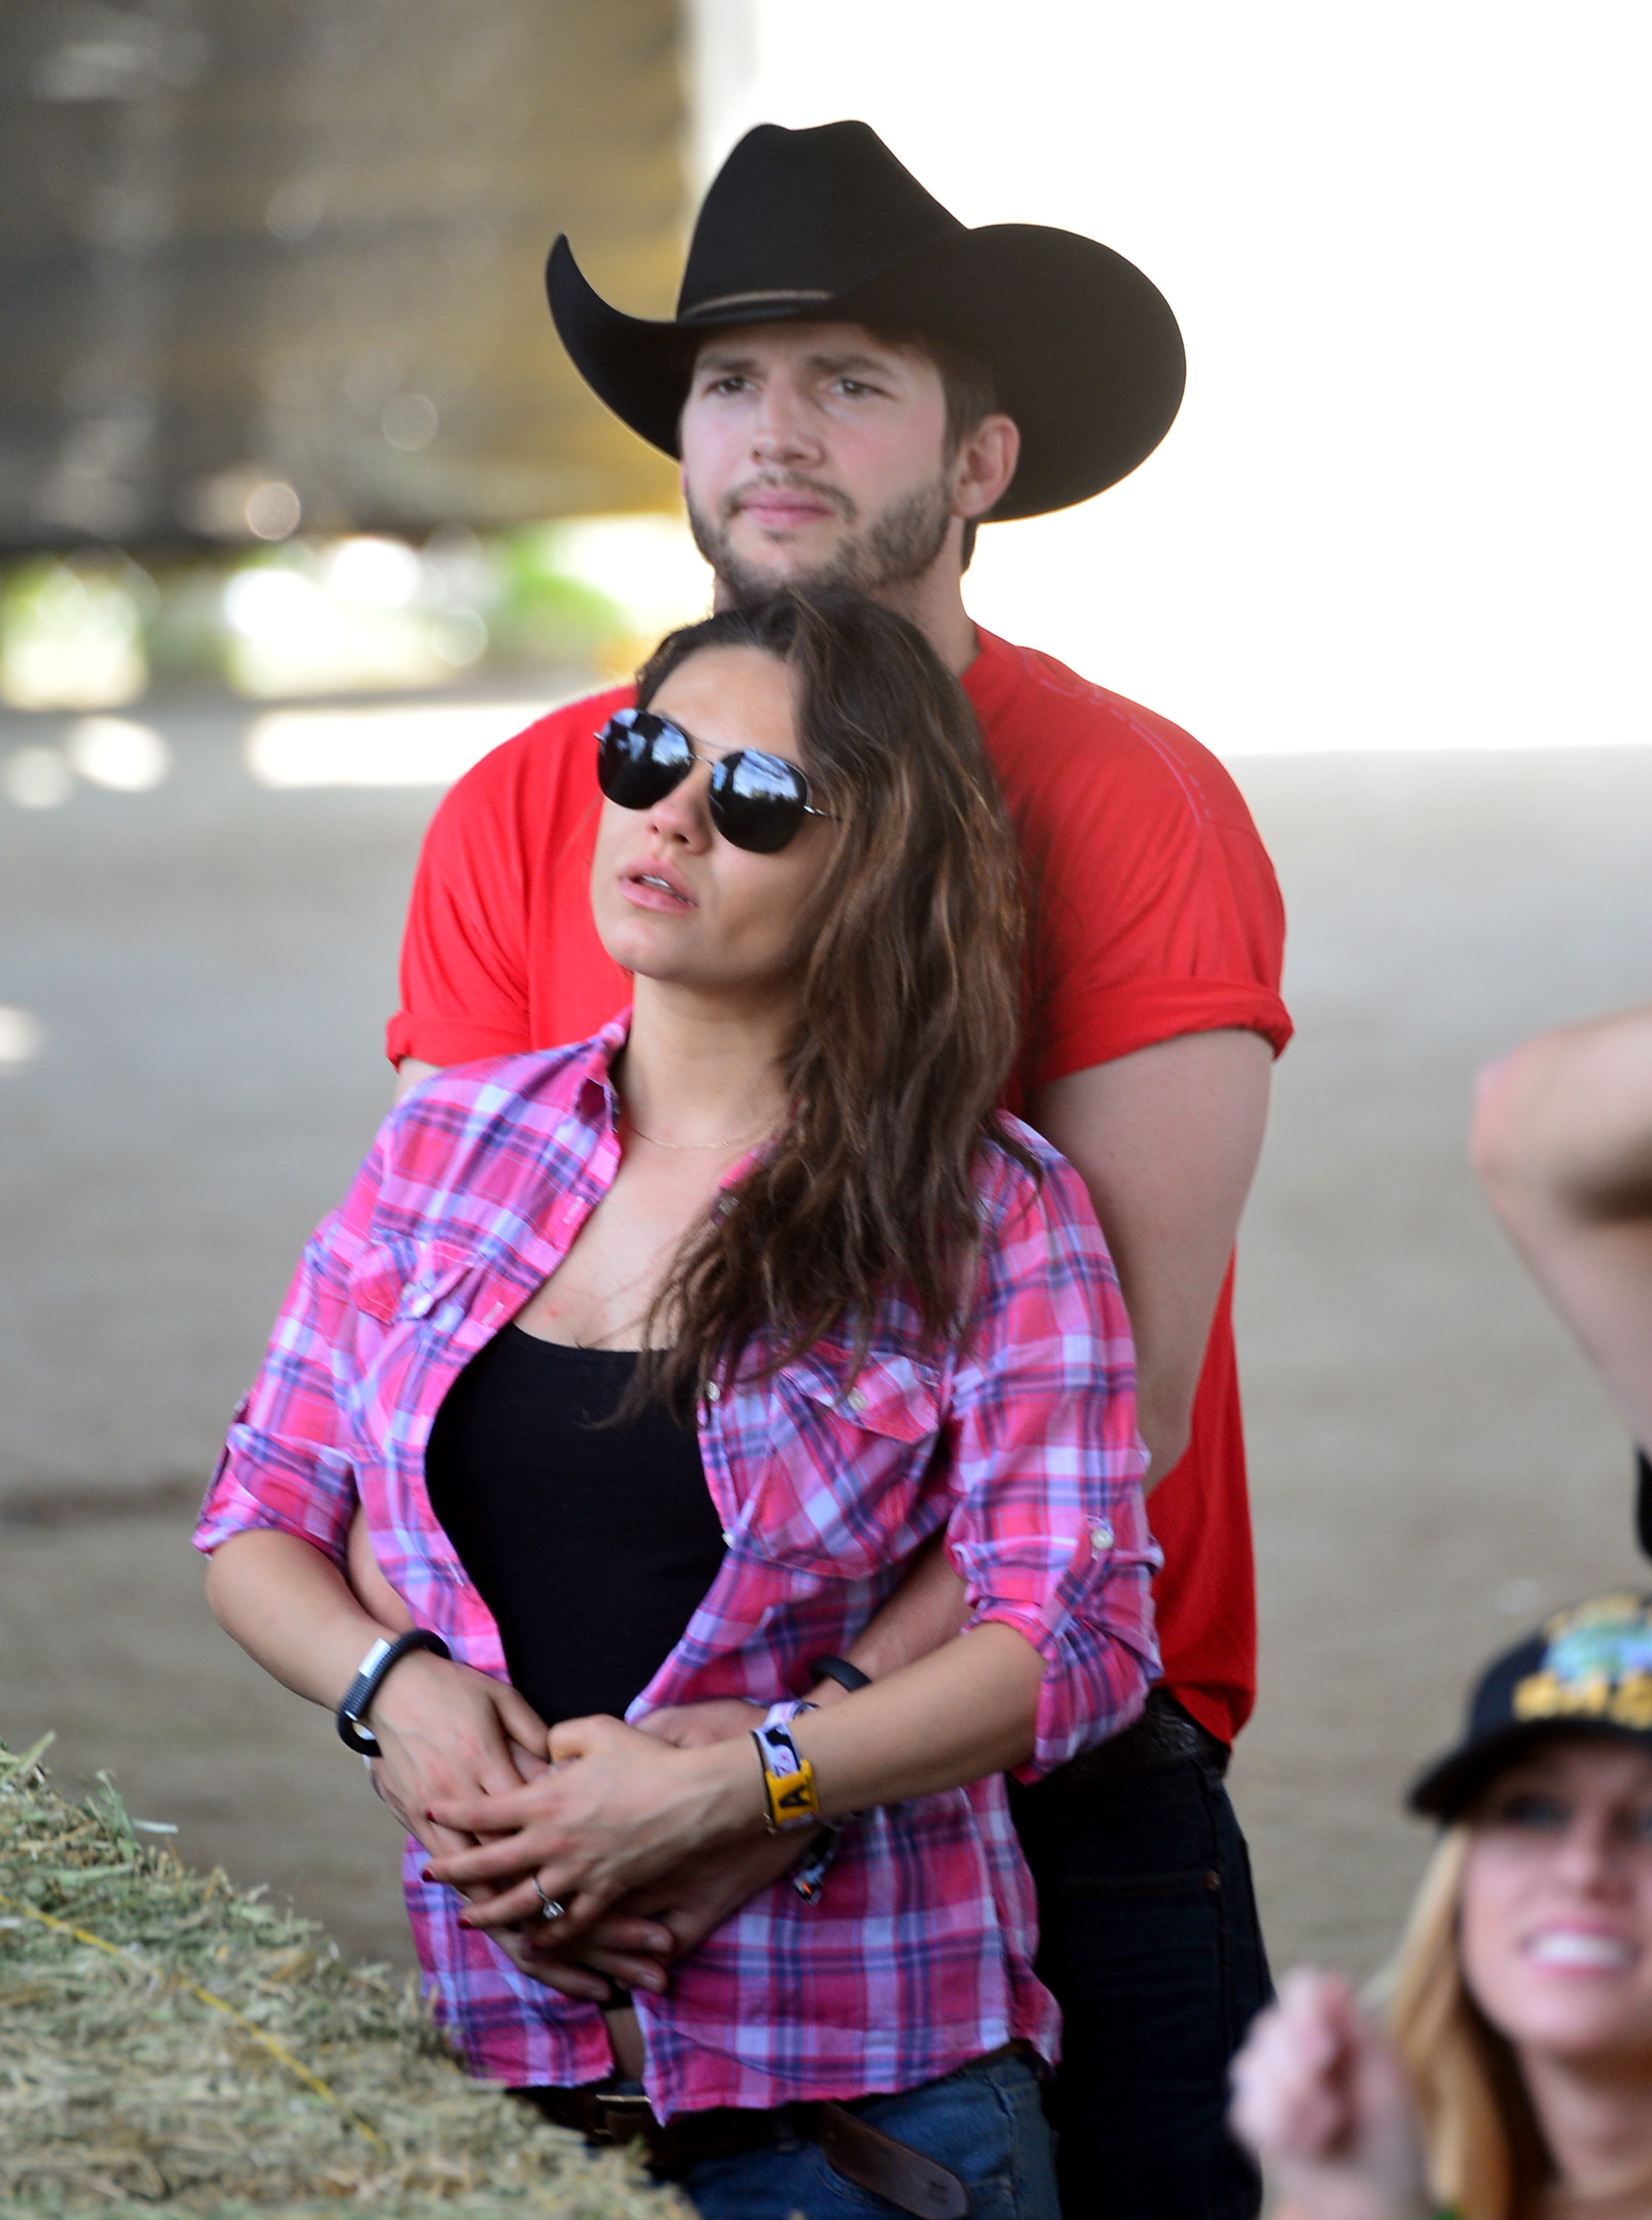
(971,389)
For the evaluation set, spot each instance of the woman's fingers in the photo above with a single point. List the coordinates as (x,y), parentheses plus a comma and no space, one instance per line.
(520,1722)
(1287,2098)
(512,1907)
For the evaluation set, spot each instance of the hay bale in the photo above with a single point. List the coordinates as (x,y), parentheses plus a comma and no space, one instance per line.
(172,2062)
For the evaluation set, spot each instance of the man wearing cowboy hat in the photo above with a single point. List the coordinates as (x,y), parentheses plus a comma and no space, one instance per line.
(854,381)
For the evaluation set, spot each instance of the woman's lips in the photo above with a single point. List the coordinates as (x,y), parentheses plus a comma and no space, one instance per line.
(656,890)
(1580,1949)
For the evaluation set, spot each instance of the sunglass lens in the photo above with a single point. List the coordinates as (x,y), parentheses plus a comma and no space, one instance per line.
(758,800)
(640,758)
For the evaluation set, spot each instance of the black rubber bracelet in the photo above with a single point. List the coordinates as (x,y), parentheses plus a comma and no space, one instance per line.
(840,1670)
(353,1732)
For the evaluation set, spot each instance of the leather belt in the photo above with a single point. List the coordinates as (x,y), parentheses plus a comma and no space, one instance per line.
(850,2146)
(1163,1735)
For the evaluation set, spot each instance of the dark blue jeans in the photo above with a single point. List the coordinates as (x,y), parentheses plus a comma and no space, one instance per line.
(983,2122)
(1150,1942)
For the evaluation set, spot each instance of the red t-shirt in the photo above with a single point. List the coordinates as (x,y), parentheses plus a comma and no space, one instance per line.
(1155,914)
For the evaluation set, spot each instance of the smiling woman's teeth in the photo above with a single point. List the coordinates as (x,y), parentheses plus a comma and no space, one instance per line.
(1566,1947)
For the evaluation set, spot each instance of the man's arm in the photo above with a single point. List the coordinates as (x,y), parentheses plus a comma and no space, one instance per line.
(409,1073)
(1166,1142)
(1562,1143)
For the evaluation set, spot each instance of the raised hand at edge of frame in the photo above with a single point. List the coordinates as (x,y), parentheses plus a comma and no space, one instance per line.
(1321,2098)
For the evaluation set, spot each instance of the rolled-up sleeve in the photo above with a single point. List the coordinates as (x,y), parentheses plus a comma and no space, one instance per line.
(285,1465)
(1050,1532)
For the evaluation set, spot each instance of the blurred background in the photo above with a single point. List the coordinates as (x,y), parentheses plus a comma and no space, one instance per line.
(302,509)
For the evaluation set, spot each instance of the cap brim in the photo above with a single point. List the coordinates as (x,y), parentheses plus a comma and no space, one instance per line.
(1087,353)
(1455,1782)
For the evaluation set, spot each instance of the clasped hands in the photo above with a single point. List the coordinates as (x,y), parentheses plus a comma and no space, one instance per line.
(647,1848)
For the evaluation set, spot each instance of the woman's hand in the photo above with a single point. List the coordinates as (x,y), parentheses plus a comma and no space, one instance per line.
(618,1809)
(1320,2096)
(449,1732)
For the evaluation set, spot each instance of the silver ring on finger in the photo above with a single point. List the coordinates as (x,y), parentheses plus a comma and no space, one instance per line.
(551,1907)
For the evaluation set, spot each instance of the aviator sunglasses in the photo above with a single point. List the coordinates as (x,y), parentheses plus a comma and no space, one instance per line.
(758,800)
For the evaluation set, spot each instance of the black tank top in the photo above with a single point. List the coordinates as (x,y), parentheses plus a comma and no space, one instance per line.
(591,1545)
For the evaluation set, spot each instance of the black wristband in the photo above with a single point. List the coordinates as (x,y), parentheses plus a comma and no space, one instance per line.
(353,1732)
(840,1670)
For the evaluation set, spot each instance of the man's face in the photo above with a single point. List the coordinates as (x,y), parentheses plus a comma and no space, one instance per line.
(813,454)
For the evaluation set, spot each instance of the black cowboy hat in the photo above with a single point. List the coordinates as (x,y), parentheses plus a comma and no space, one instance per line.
(825,226)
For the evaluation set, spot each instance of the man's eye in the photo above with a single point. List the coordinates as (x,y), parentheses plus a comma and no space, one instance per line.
(732,382)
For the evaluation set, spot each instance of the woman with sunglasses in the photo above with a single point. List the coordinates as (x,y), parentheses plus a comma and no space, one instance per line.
(653,1362)
(1514,2079)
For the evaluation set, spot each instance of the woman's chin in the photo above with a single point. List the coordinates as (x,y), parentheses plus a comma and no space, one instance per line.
(1601,2025)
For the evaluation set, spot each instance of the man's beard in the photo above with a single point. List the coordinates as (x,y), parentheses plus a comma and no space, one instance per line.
(897,548)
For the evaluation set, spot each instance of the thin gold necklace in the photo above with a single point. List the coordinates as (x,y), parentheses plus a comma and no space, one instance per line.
(738,1140)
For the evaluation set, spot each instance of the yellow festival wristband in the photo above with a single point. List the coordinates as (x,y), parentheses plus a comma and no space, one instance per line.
(787,1781)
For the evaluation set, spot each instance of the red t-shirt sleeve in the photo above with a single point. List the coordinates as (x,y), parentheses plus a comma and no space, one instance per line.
(1193,940)
(465,977)
(469,966)
(1155,910)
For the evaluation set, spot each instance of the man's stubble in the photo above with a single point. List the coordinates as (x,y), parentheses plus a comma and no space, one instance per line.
(895,550)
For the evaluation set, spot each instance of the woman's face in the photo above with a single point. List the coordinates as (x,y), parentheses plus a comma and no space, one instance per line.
(673,900)
(1557,1926)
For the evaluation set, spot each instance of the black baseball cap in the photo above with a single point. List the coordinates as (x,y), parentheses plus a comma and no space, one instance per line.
(1587,1669)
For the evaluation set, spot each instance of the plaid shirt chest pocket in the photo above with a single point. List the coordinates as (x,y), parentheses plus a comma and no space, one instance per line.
(405,1292)
(853,1480)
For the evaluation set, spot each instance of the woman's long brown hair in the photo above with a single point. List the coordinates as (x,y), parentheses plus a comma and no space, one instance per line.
(910,1019)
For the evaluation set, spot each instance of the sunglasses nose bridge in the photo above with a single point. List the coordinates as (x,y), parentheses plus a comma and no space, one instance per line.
(684,809)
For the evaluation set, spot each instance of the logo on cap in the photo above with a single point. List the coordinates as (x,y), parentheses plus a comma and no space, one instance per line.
(1598,1665)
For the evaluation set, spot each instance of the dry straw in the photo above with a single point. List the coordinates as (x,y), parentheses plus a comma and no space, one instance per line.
(170,2043)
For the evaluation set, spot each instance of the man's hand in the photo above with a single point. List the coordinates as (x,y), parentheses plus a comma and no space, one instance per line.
(1321,2098)
(696,1726)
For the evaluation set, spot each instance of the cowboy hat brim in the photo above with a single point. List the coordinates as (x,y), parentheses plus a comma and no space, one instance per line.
(1086,354)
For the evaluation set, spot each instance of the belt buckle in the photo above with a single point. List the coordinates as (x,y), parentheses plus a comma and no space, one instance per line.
(623,2119)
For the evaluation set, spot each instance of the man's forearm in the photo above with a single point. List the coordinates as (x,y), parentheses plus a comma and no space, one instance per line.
(409,1073)
(927,1609)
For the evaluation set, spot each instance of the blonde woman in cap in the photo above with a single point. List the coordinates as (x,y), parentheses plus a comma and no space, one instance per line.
(1514,2080)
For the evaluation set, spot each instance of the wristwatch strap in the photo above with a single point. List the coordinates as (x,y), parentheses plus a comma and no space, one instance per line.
(370,1675)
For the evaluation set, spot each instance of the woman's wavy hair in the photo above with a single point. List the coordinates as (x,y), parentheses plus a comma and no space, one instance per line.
(910,1020)
(1486,2154)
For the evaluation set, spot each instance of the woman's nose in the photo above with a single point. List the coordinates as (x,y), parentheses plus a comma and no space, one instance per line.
(1594,1851)
(685,814)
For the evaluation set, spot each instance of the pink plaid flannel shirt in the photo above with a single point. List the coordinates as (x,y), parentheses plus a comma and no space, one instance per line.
(917,1957)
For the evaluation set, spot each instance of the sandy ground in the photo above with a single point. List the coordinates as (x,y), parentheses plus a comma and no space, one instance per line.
(1432,1465)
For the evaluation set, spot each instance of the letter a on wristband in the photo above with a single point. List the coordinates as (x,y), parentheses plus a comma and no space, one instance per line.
(787,1781)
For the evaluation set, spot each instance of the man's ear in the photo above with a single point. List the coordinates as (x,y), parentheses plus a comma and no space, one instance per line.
(984,466)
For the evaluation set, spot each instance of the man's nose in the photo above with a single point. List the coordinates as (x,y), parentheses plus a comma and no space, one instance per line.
(784,431)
